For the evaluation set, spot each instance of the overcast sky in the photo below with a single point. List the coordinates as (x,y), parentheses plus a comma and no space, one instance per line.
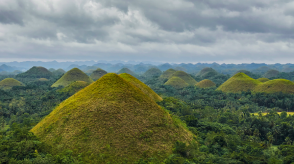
(225,31)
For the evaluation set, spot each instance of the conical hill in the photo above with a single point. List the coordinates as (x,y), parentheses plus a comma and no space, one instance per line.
(59,72)
(263,79)
(271,73)
(176,82)
(36,72)
(276,85)
(152,72)
(111,121)
(8,83)
(238,83)
(205,84)
(74,87)
(143,87)
(167,74)
(207,72)
(126,70)
(98,73)
(72,75)
(186,77)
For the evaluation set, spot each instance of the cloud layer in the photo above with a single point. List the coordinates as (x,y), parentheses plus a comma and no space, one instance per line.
(165,30)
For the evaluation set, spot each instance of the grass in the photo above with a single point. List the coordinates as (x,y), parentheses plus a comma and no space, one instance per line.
(238,83)
(8,83)
(97,74)
(186,77)
(152,72)
(207,72)
(74,87)
(111,121)
(36,72)
(276,85)
(176,82)
(126,70)
(263,79)
(167,74)
(205,84)
(73,75)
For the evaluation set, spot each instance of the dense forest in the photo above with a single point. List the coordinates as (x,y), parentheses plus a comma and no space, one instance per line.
(242,127)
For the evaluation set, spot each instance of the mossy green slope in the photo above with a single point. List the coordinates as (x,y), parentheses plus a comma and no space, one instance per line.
(72,75)
(207,72)
(238,83)
(167,74)
(143,87)
(186,77)
(111,121)
(176,82)
(36,72)
(276,85)
(152,72)
(98,73)
(126,70)
(74,87)
(263,79)
(8,83)
(271,73)
(206,83)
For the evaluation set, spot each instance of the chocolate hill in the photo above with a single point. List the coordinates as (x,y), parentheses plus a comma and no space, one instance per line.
(98,73)
(36,72)
(205,84)
(8,83)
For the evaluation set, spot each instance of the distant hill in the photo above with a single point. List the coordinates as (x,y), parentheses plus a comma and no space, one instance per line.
(98,73)
(114,118)
(143,87)
(74,87)
(207,72)
(126,70)
(238,83)
(152,72)
(36,72)
(176,82)
(8,83)
(186,77)
(205,84)
(261,70)
(52,70)
(271,73)
(167,74)
(263,79)
(73,75)
(59,72)
(276,85)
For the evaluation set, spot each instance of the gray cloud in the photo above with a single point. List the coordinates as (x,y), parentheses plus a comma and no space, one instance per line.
(166,30)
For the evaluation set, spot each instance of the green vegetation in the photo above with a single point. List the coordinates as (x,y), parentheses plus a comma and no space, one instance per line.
(143,87)
(263,79)
(238,83)
(271,73)
(207,72)
(74,87)
(43,79)
(152,72)
(276,85)
(126,70)
(112,121)
(8,83)
(167,74)
(59,72)
(36,72)
(73,75)
(176,82)
(186,77)
(205,84)
(98,74)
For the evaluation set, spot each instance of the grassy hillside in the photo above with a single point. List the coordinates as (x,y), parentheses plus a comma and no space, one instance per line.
(8,83)
(126,70)
(176,82)
(263,79)
(276,85)
(167,74)
(205,84)
(271,73)
(36,72)
(143,87)
(238,83)
(152,72)
(111,121)
(98,73)
(72,75)
(207,72)
(74,87)
(186,77)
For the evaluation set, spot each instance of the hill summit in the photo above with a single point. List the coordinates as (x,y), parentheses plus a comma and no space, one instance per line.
(72,75)
(98,73)
(276,85)
(205,84)
(36,72)
(111,121)
(186,77)
(176,82)
(152,72)
(126,70)
(238,83)
(207,72)
(8,83)
(167,74)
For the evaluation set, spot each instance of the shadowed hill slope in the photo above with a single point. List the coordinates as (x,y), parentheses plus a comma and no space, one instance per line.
(205,84)
(59,72)
(186,77)
(114,118)
(126,70)
(176,82)
(36,72)
(276,85)
(152,72)
(143,87)
(238,83)
(167,74)
(98,73)
(207,72)
(8,83)
(271,73)
(74,74)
